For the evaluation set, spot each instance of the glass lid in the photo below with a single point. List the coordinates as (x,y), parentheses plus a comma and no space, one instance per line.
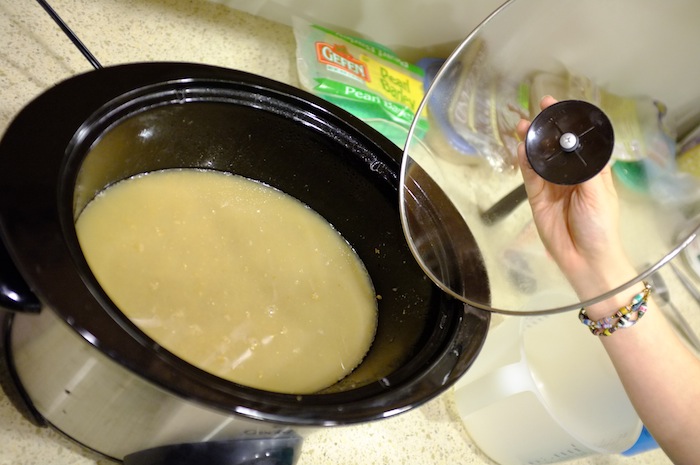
(626,81)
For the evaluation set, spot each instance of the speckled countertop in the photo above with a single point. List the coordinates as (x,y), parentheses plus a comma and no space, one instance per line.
(35,55)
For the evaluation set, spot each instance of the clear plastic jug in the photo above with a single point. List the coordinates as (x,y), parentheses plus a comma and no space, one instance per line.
(544,391)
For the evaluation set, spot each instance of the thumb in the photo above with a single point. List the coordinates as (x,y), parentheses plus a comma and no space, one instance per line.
(531,179)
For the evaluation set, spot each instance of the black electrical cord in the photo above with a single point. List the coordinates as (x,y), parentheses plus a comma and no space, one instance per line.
(71,35)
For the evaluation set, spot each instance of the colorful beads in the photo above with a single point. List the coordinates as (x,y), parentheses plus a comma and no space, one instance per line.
(624,317)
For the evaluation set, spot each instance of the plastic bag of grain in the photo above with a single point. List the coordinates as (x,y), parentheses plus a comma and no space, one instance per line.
(362,77)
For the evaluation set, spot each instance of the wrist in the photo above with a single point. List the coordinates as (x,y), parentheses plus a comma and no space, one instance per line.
(624,316)
(609,306)
(594,283)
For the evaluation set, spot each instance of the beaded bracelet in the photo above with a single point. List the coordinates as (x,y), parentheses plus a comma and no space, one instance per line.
(625,317)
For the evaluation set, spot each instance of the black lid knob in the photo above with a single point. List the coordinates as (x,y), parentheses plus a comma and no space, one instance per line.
(569,142)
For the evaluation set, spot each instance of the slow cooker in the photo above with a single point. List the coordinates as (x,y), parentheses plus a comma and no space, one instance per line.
(70,358)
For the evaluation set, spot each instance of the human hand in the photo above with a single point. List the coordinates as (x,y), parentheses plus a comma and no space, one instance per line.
(578,224)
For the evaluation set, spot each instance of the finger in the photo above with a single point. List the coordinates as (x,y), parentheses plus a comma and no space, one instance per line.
(522,158)
(530,176)
(521,128)
(532,181)
(547,101)
(523,125)
(606,175)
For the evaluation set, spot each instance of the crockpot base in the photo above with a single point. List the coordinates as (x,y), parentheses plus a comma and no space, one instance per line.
(283,450)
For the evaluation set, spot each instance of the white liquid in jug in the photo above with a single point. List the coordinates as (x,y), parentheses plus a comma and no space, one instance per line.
(237,278)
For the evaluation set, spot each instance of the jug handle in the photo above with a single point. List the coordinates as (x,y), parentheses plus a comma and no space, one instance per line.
(15,294)
(504,382)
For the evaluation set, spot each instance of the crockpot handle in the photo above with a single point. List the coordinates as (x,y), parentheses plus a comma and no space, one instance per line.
(280,450)
(15,294)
